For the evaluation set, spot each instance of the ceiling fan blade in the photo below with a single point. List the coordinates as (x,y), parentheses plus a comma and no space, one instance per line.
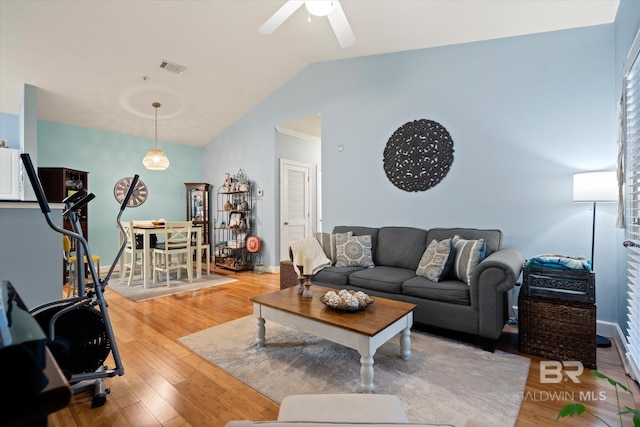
(341,27)
(280,16)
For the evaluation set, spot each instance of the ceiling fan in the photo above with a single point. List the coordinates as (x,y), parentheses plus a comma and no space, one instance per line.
(331,9)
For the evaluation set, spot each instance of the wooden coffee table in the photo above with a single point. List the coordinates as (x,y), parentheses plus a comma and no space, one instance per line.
(364,331)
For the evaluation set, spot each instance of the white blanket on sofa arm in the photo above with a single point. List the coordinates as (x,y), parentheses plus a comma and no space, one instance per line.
(309,247)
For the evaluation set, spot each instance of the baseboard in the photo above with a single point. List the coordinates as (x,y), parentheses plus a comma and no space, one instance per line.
(612,330)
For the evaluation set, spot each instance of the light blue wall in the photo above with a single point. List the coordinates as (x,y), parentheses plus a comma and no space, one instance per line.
(110,156)
(524,113)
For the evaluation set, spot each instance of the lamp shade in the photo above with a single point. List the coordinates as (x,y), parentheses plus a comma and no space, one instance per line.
(155,160)
(600,186)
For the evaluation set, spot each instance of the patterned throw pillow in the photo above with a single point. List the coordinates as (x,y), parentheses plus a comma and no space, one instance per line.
(437,260)
(353,251)
(469,253)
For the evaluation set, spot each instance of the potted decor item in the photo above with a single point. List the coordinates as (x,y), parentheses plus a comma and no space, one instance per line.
(260,268)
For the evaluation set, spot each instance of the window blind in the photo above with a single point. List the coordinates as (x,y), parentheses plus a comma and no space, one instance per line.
(630,131)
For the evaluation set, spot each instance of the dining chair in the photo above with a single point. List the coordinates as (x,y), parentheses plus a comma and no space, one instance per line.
(132,255)
(175,252)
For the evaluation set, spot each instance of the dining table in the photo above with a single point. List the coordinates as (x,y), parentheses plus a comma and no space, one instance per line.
(146,229)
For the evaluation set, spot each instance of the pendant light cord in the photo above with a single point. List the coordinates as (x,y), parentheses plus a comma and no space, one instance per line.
(156,105)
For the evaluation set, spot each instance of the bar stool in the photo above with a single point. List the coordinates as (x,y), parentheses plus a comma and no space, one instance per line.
(73,265)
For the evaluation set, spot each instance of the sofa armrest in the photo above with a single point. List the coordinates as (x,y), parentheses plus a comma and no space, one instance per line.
(492,278)
(499,271)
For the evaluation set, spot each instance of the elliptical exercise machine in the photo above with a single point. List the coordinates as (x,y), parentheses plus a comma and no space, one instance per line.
(78,329)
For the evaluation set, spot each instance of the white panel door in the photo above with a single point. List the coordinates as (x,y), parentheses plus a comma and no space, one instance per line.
(295,213)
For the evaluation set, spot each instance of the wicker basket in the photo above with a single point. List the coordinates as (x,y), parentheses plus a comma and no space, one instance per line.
(557,329)
(288,276)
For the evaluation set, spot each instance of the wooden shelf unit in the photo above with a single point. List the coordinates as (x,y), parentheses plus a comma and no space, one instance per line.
(60,183)
(230,250)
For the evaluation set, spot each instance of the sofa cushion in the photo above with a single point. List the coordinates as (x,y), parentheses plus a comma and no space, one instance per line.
(338,276)
(381,278)
(401,247)
(361,231)
(469,253)
(492,238)
(449,291)
(353,251)
(437,260)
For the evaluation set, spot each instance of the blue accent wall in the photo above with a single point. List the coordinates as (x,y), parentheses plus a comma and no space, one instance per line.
(108,157)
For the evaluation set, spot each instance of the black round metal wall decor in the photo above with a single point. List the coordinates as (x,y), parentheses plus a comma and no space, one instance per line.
(418,155)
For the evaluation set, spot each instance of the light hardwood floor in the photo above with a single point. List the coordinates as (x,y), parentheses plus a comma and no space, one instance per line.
(166,384)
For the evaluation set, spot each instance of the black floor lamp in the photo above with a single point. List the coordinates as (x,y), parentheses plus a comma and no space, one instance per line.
(594,187)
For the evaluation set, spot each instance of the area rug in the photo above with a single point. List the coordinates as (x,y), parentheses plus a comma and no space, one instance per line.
(156,290)
(445,381)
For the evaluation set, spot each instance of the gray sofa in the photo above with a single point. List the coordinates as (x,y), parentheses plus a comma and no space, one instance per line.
(479,308)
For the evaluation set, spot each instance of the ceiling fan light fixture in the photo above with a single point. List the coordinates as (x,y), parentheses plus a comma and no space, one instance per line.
(319,7)
(155,159)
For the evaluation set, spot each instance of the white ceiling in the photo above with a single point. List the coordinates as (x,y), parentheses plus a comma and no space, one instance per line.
(88,58)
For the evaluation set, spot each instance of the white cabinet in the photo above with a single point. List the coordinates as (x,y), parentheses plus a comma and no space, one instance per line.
(10,174)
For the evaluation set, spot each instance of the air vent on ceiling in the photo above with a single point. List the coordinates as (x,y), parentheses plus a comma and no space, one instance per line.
(174,68)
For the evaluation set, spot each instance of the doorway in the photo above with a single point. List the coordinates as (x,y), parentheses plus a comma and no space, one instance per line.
(299,151)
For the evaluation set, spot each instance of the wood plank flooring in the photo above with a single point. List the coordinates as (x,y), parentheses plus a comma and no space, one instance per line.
(166,384)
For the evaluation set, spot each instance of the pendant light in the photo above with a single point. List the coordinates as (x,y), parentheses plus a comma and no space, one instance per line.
(155,159)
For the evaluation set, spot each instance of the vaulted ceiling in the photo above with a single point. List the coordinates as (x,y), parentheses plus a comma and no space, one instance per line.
(97,63)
